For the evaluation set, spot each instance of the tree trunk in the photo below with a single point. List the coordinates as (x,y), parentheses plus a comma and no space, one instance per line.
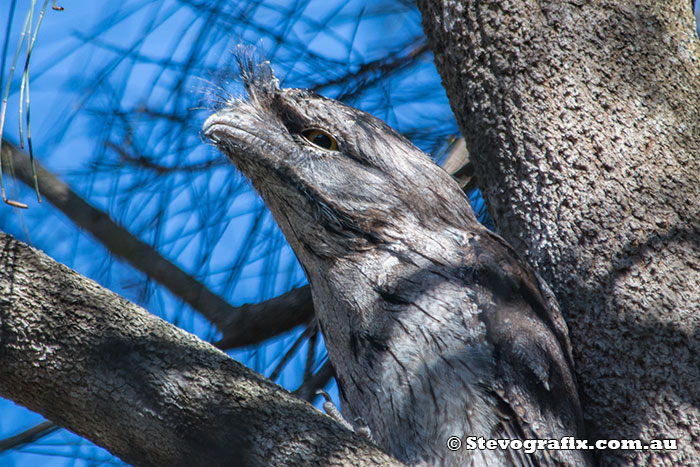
(147,391)
(583,122)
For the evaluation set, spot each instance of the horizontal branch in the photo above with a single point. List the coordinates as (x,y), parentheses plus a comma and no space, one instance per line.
(145,390)
(269,318)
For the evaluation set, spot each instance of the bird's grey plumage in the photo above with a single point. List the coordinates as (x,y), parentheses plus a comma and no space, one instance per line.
(434,326)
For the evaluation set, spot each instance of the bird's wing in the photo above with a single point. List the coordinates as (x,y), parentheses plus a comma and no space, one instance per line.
(534,383)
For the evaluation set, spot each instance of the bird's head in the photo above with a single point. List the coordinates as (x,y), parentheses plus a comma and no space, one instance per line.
(336,179)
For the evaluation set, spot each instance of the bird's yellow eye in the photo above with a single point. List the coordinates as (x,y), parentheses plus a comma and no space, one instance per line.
(321,139)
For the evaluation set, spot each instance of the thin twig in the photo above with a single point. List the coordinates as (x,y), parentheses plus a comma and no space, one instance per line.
(311,352)
(308,388)
(25,83)
(28,436)
(4,103)
(292,350)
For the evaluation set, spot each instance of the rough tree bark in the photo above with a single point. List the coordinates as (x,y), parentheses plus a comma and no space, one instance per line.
(583,122)
(147,391)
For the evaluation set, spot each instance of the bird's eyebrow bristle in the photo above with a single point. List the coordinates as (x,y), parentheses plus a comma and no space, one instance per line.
(257,75)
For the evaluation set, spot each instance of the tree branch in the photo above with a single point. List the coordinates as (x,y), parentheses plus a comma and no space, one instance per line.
(269,318)
(147,391)
(458,164)
(28,436)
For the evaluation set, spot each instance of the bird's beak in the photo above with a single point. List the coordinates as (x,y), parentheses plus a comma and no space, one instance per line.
(210,124)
